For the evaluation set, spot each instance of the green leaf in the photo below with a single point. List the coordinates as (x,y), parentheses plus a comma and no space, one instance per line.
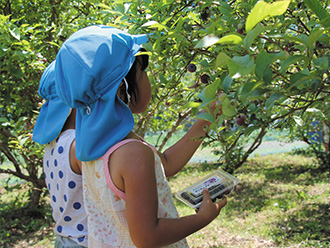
(17,72)
(326,22)
(192,105)
(322,63)
(225,8)
(205,116)
(301,38)
(162,78)
(154,24)
(298,120)
(248,87)
(210,90)
(143,53)
(208,40)
(253,34)
(207,94)
(315,111)
(262,10)
(119,1)
(179,23)
(222,59)
(3,119)
(268,75)
(228,109)
(202,95)
(258,91)
(231,39)
(240,65)
(315,84)
(121,8)
(292,60)
(206,102)
(54,44)
(314,36)
(250,129)
(317,8)
(271,100)
(15,33)
(148,46)
(134,10)
(226,83)
(107,9)
(298,78)
(264,60)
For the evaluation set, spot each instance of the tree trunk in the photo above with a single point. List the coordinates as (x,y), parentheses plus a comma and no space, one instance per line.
(35,197)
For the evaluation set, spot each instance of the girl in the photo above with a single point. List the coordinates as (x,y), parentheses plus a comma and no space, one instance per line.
(128,200)
(55,128)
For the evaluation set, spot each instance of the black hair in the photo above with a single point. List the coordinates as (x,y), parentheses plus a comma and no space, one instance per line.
(140,63)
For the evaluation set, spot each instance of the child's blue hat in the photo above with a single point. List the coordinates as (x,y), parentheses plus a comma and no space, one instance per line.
(90,67)
(53,112)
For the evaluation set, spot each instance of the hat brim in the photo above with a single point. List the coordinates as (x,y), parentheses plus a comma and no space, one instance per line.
(52,117)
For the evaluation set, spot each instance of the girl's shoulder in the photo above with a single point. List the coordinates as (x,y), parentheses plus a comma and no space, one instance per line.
(132,161)
(132,149)
(134,146)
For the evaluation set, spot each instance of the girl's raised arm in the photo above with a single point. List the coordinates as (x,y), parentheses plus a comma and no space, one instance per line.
(178,155)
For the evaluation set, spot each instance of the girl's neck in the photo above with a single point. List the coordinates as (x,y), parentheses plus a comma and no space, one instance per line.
(132,135)
(71,121)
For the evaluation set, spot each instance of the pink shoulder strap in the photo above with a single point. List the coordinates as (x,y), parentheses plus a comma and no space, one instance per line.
(105,159)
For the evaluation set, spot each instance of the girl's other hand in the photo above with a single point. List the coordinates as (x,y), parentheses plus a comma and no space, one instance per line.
(208,209)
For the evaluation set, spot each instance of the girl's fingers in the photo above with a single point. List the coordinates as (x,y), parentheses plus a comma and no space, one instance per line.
(221,203)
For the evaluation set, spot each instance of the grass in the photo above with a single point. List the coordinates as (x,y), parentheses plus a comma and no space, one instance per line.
(21,226)
(282,201)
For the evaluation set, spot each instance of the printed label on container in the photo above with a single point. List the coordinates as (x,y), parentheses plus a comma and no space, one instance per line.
(197,190)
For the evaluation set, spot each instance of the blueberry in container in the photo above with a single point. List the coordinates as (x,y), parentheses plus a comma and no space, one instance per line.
(219,183)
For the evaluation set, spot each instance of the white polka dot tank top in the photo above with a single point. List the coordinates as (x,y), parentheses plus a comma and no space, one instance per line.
(65,189)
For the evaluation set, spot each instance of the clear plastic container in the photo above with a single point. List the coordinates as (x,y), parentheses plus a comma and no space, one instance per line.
(219,183)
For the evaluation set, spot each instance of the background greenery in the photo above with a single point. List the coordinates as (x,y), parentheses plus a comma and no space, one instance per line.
(267,61)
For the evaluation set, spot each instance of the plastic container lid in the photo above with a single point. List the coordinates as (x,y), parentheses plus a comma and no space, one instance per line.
(219,183)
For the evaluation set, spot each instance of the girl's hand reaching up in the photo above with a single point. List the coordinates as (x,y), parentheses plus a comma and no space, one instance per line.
(208,209)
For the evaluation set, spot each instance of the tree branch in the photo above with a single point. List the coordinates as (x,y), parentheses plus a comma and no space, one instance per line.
(4,149)
(257,142)
(37,181)
(173,129)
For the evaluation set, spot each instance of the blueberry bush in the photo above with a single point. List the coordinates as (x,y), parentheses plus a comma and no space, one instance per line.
(264,64)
